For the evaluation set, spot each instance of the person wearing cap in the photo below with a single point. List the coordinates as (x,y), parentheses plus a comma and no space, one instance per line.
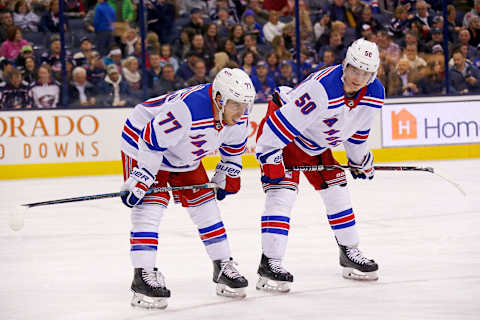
(113,90)
(14,93)
(264,85)
(196,21)
(85,45)
(437,38)
(52,57)
(25,52)
(286,77)
(251,26)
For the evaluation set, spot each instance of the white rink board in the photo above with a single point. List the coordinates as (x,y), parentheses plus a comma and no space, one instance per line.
(71,261)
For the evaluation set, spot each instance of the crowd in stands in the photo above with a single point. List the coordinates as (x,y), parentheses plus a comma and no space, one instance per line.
(188,41)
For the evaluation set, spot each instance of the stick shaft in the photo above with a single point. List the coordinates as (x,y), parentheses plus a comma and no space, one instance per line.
(209,185)
(379,168)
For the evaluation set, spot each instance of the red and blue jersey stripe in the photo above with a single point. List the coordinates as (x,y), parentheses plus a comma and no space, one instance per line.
(342,220)
(233,149)
(130,134)
(371,102)
(281,127)
(276,224)
(143,241)
(213,234)
(149,136)
(359,137)
(203,197)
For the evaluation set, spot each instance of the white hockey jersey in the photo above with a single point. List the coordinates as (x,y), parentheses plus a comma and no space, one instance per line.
(174,131)
(317,116)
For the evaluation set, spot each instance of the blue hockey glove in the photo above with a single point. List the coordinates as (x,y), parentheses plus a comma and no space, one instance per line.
(363,170)
(137,184)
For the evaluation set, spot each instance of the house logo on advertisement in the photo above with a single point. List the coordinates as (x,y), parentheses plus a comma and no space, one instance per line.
(404,125)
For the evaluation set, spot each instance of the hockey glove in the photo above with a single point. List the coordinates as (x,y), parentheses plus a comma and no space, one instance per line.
(273,170)
(227,177)
(137,185)
(363,170)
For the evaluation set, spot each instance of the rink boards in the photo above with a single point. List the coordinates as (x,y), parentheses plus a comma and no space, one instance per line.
(83,142)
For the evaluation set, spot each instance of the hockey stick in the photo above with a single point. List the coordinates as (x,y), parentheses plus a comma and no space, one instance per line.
(17,217)
(380,168)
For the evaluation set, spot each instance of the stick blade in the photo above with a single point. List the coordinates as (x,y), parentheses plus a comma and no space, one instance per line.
(17,218)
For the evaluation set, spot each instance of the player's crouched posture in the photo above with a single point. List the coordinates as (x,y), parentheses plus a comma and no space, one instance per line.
(332,106)
(163,140)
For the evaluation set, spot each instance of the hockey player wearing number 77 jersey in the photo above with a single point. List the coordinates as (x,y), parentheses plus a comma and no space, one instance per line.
(332,106)
(163,141)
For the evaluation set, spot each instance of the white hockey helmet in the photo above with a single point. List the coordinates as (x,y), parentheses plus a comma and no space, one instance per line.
(233,84)
(363,54)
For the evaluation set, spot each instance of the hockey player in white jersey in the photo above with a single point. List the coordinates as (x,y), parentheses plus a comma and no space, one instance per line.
(162,143)
(332,106)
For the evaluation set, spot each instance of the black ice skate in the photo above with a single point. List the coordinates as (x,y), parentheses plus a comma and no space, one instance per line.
(356,266)
(230,283)
(273,277)
(149,289)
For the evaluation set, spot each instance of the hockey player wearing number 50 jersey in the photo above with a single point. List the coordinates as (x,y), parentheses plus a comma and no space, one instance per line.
(163,141)
(333,106)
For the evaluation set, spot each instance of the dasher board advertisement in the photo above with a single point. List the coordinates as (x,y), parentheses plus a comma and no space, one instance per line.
(439,123)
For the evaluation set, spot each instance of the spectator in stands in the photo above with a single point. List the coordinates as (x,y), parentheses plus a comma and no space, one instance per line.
(79,60)
(24,18)
(46,91)
(86,46)
(185,71)
(260,14)
(199,74)
(211,39)
(264,85)
(470,75)
(273,65)
(128,40)
(152,43)
(412,39)
(411,53)
(14,92)
(167,58)
(252,45)
(336,45)
(354,12)
(278,45)
(103,20)
(183,44)
(229,47)
(170,81)
(322,29)
(80,91)
(437,38)
(402,81)
(133,77)
(273,27)
(196,21)
(96,70)
(30,71)
(367,18)
(115,91)
(11,47)
(25,52)
(6,21)
(161,19)
(50,20)
(387,47)
(74,9)
(6,67)
(251,26)
(476,61)
(52,57)
(464,39)
(249,60)
(451,20)
(154,73)
(400,22)
(474,29)
(328,58)
(198,47)
(124,10)
(281,6)
(114,57)
(306,67)
(337,11)
(434,80)
(287,77)
(422,15)
(236,35)
(475,12)
(221,60)
(224,22)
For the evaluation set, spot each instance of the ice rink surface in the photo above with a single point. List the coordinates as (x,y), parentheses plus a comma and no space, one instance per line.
(71,261)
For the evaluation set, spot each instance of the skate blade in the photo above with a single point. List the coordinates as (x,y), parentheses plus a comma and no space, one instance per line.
(273,285)
(225,291)
(145,302)
(354,274)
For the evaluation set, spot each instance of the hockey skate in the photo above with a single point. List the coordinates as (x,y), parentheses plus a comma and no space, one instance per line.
(230,283)
(356,266)
(273,277)
(149,289)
